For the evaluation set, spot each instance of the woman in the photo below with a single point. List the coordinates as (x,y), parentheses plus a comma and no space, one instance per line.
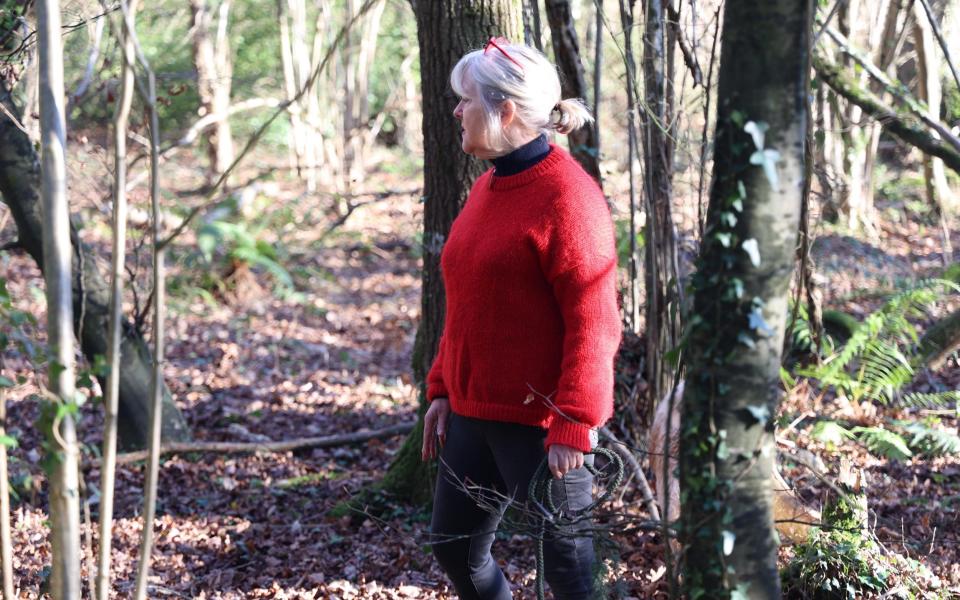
(525,364)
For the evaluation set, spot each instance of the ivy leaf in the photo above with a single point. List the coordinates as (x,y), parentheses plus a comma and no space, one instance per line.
(757,131)
(752,248)
(768,160)
(6,382)
(8,441)
(758,324)
(729,539)
(724,238)
(760,412)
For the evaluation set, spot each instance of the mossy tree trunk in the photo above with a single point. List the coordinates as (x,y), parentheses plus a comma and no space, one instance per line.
(20,191)
(741,286)
(446,29)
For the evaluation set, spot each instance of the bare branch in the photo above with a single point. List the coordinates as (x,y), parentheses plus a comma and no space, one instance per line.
(265,447)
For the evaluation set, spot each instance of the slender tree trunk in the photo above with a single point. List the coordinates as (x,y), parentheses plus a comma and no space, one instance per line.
(626,21)
(566,51)
(446,29)
(20,188)
(929,92)
(597,72)
(878,28)
(740,301)
(662,322)
(211,58)
(360,58)
(159,331)
(111,400)
(64,477)
(6,540)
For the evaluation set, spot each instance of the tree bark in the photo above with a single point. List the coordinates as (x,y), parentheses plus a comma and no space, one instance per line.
(740,301)
(159,332)
(64,480)
(446,29)
(930,93)
(584,145)
(6,539)
(940,341)
(111,399)
(897,123)
(211,58)
(660,250)
(20,188)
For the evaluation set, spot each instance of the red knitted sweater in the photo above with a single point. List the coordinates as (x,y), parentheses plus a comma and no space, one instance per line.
(532,319)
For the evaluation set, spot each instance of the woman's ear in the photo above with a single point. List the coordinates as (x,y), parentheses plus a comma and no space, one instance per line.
(508,112)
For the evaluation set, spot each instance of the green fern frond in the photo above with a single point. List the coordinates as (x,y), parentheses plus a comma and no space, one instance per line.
(930,400)
(874,363)
(930,441)
(883,442)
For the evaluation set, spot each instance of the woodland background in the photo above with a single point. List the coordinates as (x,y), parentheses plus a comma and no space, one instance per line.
(307,169)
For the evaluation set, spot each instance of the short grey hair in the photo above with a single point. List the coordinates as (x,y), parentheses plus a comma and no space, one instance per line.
(529,80)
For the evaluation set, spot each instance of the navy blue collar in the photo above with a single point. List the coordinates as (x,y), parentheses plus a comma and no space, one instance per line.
(522,158)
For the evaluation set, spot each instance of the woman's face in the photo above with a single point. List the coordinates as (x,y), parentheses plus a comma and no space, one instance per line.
(473,123)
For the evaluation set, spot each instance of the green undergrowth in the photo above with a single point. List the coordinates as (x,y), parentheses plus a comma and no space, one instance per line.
(844,561)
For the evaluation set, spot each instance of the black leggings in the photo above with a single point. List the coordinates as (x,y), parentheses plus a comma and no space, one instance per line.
(483,456)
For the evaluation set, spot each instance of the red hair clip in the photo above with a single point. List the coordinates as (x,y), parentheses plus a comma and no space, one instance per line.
(493,41)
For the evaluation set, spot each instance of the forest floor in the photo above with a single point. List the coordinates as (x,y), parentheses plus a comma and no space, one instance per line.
(250,359)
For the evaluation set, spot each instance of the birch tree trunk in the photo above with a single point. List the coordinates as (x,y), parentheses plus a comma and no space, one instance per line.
(930,93)
(741,287)
(566,51)
(446,29)
(64,477)
(211,58)
(111,400)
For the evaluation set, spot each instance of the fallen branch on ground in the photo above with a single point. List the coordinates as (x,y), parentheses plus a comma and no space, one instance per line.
(324,441)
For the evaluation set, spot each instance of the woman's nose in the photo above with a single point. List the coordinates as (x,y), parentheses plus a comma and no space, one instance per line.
(458,110)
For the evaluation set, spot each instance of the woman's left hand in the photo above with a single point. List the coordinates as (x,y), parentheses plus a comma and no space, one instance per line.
(562,458)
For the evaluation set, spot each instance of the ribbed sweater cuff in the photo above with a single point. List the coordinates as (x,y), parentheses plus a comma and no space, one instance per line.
(436,390)
(565,432)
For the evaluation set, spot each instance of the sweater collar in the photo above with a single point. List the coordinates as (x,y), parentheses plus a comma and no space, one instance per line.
(545,166)
(522,158)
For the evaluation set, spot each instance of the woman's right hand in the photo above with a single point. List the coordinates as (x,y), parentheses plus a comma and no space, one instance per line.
(435,422)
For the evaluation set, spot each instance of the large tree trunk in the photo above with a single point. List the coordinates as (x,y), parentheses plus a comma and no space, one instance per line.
(740,301)
(660,250)
(446,29)
(20,189)
(211,57)
(64,479)
(566,50)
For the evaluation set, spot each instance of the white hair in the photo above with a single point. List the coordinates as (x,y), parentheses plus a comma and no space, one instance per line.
(529,80)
